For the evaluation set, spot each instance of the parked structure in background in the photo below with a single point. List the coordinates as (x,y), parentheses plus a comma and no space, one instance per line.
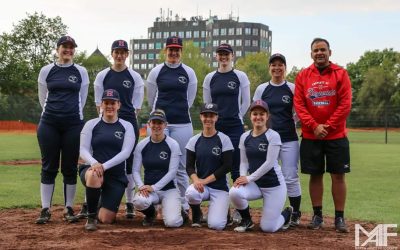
(206,33)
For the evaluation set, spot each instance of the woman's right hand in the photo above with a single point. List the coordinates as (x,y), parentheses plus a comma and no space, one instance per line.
(98,169)
(198,185)
(241,181)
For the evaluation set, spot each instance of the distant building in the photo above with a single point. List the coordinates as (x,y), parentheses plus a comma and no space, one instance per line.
(244,37)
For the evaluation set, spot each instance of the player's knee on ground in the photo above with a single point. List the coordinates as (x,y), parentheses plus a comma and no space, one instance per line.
(216,224)
(174,220)
(106,216)
(92,180)
(193,196)
(269,226)
(140,202)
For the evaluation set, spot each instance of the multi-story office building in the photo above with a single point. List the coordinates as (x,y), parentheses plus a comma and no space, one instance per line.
(244,37)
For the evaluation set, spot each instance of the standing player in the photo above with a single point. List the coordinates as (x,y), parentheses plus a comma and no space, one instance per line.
(172,86)
(130,87)
(106,143)
(159,154)
(278,94)
(63,88)
(209,159)
(259,152)
(323,102)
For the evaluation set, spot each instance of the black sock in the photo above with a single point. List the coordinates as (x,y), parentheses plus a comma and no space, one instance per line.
(295,203)
(196,213)
(245,213)
(92,199)
(150,211)
(318,211)
(286,215)
(339,214)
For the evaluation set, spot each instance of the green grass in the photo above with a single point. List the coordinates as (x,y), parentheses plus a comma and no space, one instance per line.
(373,184)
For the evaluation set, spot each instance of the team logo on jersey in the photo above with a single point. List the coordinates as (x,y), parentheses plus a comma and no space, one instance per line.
(312,93)
(286,99)
(163,155)
(182,79)
(232,85)
(127,84)
(72,79)
(216,150)
(263,147)
(119,134)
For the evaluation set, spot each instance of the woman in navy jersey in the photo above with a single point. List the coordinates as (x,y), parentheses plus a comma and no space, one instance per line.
(278,94)
(63,88)
(209,159)
(106,143)
(172,86)
(159,155)
(260,174)
(130,87)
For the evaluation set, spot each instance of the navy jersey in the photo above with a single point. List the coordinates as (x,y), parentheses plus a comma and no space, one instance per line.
(172,89)
(129,85)
(63,92)
(231,92)
(208,151)
(107,143)
(259,158)
(160,162)
(280,102)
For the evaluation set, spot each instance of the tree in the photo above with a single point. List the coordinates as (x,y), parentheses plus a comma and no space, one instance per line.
(256,67)
(291,76)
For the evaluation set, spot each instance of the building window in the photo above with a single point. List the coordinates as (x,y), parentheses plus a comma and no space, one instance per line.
(231,31)
(196,34)
(247,31)
(136,56)
(215,32)
(188,34)
(173,33)
(239,42)
(255,32)
(166,34)
(215,43)
(150,56)
(231,42)
(196,44)
(222,41)
(158,35)
(247,42)
(255,43)
(158,45)
(203,33)
(157,56)
(151,45)
(151,65)
(143,56)
(143,46)
(223,32)
(238,53)
(215,64)
(238,31)
(135,46)
(136,66)
(143,66)
(203,44)
(181,34)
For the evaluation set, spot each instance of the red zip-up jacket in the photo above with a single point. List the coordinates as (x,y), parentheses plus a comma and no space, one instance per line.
(323,99)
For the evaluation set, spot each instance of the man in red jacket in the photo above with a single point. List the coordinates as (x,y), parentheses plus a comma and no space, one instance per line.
(323,101)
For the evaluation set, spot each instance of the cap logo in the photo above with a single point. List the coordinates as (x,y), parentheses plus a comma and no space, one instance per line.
(209,106)
(121,43)
(175,40)
(109,93)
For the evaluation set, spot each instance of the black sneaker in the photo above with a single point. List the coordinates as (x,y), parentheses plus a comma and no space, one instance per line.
(148,221)
(69,215)
(316,223)
(91,224)
(295,219)
(44,216)
(185,216)
(340,225)
(129,210)
(229,219)
(287,213)
(245,225)
(83,214)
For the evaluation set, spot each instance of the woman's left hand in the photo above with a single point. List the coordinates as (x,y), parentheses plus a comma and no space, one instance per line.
(145,190)
(241,181)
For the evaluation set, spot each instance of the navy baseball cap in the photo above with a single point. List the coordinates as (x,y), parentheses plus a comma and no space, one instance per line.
(259,104)
(209,108)
(277,56)
(158,114)
(66,39)
(110,94)
(174,42)
(119,44)
(224,47)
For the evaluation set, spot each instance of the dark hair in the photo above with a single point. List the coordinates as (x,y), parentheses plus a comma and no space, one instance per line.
(318,39)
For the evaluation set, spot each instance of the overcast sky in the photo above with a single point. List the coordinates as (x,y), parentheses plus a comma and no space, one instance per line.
(351,26)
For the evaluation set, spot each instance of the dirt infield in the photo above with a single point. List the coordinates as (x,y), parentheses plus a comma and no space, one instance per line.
(18,231)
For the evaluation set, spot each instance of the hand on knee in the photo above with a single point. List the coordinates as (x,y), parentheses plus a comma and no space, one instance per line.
(92,180)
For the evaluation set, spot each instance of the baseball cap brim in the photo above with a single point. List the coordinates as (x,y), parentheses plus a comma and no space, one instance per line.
(174,46)
(157,118)
(224,49)
(209,111)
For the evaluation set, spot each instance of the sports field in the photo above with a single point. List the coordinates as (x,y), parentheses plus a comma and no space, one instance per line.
(373,198)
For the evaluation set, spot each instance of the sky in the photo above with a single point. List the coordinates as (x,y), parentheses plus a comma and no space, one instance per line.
(351,26)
